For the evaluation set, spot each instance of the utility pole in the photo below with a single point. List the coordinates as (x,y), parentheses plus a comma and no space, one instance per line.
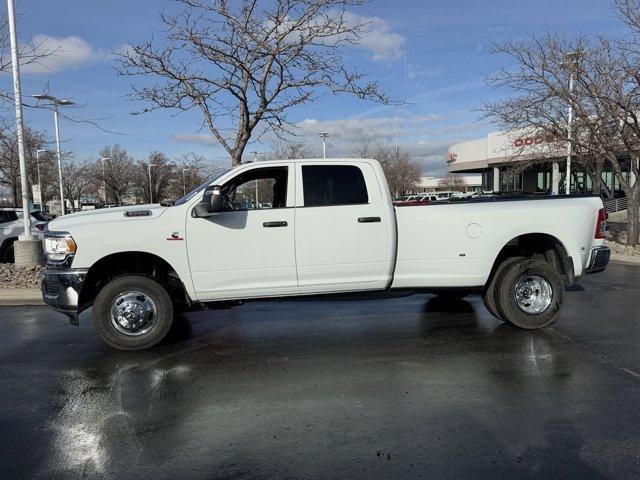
(27,249)
(150,186)
(324,136)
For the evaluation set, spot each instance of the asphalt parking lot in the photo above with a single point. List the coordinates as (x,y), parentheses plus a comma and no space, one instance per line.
(407,387)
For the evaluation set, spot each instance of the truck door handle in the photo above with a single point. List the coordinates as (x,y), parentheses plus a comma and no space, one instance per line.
(369,219)
(274,224)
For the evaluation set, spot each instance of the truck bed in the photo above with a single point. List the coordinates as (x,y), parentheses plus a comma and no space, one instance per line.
(456,242)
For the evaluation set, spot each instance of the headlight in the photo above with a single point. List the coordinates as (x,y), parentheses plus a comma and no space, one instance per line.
(58,248)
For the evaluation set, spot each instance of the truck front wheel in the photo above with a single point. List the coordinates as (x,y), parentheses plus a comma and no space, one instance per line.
(529,293)
(132,312)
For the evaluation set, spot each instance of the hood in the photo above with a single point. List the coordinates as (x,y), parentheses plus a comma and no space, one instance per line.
(103,215)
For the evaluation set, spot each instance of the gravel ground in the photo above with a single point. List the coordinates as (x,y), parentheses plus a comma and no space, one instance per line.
(20,277)
(617,242)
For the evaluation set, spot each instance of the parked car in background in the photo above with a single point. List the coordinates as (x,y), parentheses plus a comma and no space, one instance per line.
(332,229)
(417,199)
(11,227)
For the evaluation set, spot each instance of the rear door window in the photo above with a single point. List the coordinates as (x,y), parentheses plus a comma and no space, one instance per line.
(326,185)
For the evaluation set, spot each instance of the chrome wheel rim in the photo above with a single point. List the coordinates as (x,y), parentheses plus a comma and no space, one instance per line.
(533,294)
(133,313)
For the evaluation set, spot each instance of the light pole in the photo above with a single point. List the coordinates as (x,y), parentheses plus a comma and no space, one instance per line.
(150,186)
(55,103)
(26,215)
(397,105)
(255,159)
(104,178)
(39,178)
(570,61)
(324,136)
(184,184)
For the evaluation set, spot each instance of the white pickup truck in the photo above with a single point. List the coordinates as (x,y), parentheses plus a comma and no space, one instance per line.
(308,227)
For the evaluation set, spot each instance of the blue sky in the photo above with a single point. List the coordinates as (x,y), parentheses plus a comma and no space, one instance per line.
(445,45)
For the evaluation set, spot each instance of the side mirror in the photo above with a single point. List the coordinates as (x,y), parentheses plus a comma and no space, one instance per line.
(201,210)
(211,203)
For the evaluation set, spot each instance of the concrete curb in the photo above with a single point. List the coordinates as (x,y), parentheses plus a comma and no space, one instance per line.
(20,297)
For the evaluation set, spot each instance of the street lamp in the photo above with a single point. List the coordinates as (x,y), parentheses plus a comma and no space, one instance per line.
(39,177)
(324,136)
(150,187)
(104,178)
(255,159)
(184,184)
(571,60)
(55,103)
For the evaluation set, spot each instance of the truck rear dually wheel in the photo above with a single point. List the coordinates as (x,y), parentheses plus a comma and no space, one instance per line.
(529,293)
(132,312)
(489,294)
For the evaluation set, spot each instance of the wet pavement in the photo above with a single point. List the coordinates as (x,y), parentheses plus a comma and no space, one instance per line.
(407,387)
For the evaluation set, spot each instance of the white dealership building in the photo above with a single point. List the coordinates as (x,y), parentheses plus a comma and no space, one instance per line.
(516,161)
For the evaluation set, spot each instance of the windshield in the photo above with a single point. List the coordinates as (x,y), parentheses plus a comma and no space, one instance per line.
(211,180)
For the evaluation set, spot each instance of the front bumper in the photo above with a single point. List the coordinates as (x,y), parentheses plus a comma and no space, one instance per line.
(61,290)
(599,260)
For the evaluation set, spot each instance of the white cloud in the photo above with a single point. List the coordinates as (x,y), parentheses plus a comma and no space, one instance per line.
(425,136)
(417,134)
(67,53)
(416,72)
(378,38)
(350,131)
(198,139)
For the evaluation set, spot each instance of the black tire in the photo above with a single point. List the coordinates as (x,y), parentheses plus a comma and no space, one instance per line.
(505,293)
(489,294)
(150,290)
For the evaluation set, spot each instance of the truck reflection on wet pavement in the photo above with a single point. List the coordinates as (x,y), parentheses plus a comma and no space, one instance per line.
(405,387)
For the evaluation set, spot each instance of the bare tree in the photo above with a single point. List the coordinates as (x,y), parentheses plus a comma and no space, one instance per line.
(158,177)
(364,148)
(192,170)
(402,173)
(116,173)
(77,180)
(247,65)
(605,102)
(453,182)
(290,149)
(9,163)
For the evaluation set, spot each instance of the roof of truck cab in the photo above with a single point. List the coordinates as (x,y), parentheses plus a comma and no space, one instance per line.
(308,160)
